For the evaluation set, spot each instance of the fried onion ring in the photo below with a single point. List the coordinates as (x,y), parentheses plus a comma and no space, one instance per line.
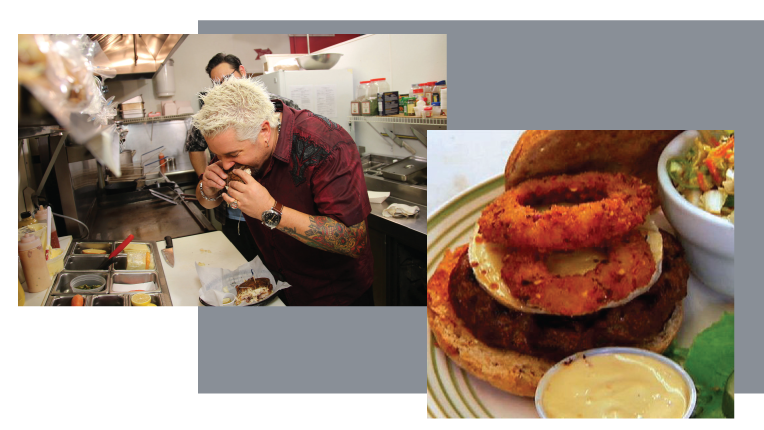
(628,268)
(608,206)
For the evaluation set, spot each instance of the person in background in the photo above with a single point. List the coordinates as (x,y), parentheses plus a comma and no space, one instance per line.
(221,67)
(305,202)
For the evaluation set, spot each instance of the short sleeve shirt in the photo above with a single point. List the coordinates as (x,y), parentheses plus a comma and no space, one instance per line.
(316,170)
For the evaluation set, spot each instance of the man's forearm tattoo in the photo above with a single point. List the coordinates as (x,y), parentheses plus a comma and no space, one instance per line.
(329,235)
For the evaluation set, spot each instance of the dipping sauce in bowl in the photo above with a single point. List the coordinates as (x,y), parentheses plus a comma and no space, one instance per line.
(616,383)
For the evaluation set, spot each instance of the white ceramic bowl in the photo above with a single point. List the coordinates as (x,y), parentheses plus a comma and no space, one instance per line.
(617,350)
(708,240)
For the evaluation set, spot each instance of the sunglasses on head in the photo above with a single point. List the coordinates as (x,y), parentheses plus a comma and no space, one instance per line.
(223,79)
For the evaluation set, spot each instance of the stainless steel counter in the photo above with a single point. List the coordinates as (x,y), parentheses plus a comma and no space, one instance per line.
(410,229)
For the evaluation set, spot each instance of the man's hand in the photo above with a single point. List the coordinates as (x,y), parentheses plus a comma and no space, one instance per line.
(213,181)
(252,198)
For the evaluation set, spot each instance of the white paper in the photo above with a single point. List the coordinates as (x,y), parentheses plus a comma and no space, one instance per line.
(326,103)
(217,283)
(378,196)
(302,95)
(123,288)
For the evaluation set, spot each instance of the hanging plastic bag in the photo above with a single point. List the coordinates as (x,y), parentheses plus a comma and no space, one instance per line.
(58,71)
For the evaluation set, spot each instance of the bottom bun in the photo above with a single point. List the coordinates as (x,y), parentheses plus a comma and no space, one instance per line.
(505,369)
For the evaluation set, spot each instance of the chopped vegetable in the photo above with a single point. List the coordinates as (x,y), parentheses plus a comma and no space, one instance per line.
(705,174)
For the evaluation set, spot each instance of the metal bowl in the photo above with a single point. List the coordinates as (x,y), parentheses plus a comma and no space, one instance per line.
(318,61)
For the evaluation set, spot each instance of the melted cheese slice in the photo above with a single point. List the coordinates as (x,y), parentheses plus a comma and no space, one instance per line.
(486,261)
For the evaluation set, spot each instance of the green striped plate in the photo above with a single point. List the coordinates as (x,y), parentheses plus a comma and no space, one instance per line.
(452,392)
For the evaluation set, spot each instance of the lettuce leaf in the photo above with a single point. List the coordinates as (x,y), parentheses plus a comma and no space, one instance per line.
(709,361)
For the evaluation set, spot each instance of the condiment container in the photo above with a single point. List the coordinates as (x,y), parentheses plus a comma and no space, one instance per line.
(443,101)
(427,112)
(413,87)
(162,163)
(22,298)
(435,108)
(420,105)
(411,106)
(55,261)
(26,219)
(369,107)
(33,263)
(42,218)
(79,281)
(616,382)
(436,91)
(360,91)
(37,229)
(427,87)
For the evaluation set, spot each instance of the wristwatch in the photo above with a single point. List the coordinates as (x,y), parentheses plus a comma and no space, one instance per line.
(272,217)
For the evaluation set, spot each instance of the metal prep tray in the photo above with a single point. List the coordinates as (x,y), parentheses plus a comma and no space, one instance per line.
(78,264)
(412,170)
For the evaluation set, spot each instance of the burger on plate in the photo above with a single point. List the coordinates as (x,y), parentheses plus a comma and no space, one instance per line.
(567,259)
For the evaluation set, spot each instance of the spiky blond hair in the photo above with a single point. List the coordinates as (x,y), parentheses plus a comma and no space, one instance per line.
(239,104)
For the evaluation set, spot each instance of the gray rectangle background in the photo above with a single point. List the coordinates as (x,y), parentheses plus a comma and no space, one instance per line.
(520,75)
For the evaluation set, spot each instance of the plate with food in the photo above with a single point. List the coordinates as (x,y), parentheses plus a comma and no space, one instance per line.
(567,252)
(251,284)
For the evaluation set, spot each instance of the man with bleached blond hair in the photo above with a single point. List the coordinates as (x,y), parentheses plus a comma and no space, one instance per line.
(305,200)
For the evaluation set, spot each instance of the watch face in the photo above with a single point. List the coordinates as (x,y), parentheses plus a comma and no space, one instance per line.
(271,218)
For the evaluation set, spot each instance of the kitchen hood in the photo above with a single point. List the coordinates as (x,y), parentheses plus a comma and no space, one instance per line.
(135,56)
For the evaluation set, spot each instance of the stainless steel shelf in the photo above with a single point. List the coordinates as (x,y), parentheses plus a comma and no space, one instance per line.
(399,119)
(152,119)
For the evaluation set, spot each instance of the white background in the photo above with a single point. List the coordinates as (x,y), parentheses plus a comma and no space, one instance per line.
(137,368)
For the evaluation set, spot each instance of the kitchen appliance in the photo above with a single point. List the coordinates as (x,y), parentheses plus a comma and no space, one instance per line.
(412,170)
(324,92)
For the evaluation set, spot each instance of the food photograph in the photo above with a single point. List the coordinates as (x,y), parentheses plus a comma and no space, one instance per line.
(241,170)
(581,274)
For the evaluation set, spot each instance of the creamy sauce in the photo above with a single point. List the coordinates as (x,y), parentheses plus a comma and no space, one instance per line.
(616,386)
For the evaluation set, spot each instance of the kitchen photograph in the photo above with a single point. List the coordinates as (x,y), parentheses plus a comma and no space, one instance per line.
(226,170)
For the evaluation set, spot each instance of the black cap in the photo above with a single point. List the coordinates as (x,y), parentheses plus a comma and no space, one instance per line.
(26,215)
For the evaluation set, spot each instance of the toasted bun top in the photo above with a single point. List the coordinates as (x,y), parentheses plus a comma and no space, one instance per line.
(541,153)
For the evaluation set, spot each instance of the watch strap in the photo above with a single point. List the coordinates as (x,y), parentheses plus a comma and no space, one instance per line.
(278,207)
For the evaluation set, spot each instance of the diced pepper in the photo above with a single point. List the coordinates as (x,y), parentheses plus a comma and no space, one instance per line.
(702,182)
(722,150)
(712,170)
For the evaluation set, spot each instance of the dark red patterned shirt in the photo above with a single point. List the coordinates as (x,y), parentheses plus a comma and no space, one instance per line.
(316,170)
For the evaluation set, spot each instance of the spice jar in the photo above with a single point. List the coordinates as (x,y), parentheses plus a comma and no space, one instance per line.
(436,91)
(411,106)
(427,112)
(33,263)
